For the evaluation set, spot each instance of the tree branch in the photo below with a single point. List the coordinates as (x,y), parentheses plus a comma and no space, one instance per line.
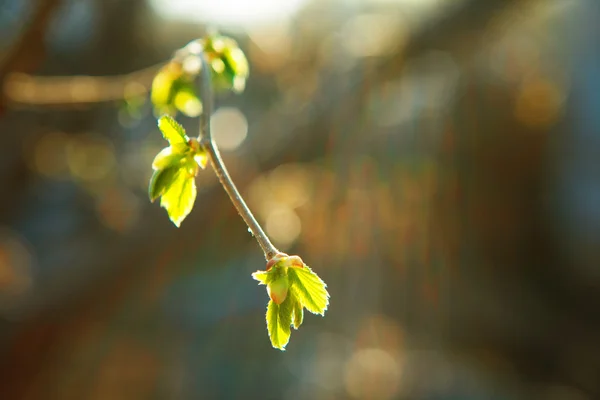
(204,84)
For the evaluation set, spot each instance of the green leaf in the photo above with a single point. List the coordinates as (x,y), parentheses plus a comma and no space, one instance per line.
(178,199)
(237,60)
(173,132)
(168,157)
(201,158)
(160,181)
(279,319)
(309,289)
(278,288)
(261,276)
(186,101)
(162,84)
(298,310)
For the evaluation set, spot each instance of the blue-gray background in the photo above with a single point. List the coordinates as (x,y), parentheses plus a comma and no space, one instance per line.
(436,162)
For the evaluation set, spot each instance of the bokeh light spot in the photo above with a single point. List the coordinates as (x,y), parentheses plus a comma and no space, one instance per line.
(90,158)
(49,155)
(539,103)
(376,34)
(372,373)
(284,226)
(229,127)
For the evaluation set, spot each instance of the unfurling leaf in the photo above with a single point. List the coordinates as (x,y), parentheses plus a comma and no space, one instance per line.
(160,181)
(175,168)
(309,289)
(174,87)
(261,276)
(173,90)
(187,102)
(173,132)
(167,157)
(279,320)
(228,63)
(292,286)
(298,312)
(278,289)
(178,199)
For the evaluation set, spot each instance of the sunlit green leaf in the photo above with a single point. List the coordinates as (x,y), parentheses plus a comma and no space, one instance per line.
(201,158)
(236,58)
(278,288)
(162,84)
(173,132)
(309,289)
(167,158)
(261,276)
(298,310)
(160,181)
(279,320)
(188,102)
(178,198)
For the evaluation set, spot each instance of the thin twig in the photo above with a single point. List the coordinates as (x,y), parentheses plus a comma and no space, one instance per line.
(205,139)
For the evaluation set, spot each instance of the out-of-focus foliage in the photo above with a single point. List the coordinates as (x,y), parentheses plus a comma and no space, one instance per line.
(292,286)
(174,88)
(175,168)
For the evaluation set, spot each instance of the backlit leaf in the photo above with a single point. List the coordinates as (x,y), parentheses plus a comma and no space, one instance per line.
(187,102)
(279,319)
(160,181)
(167,158)
(201,158)
(178,198)
(309,289)
(261,276)
(173,132)
(162,84)
(298,310)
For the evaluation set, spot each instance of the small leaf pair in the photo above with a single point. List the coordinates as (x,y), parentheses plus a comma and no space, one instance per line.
(175,169)
(173,90)
(228,63)
(292,286)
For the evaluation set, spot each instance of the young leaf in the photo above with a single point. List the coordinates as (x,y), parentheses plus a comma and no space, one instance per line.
(278,288)
(261,276)
(167,157)
(309,289)
(298,310)
(201,158)
(160,181)
(178,199)
(173,132)
(279,319)
(186,101)
(163,85)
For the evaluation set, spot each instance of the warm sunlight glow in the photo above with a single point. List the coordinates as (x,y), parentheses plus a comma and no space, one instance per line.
(227,12)
(284,226)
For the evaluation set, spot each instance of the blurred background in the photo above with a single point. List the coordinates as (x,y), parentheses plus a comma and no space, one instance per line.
(437,162)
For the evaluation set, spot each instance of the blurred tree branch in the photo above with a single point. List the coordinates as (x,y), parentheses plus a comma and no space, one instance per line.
(29,48)
(64,91)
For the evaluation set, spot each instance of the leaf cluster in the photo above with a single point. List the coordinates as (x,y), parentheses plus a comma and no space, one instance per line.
(303,289)
(173,88)
(175,169)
